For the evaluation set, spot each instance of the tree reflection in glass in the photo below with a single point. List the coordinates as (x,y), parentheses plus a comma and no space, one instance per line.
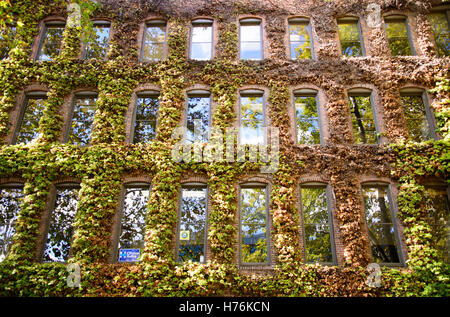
(201,41)
(300,40)
(350,39)
(307,120)
(51,43)
(146,119)
(134,214)
(251,120)
(34,108)
(83,117)
(439,23)
(198,109)
(154,41)
(60,230)
(377,205)
(7,35)
(97,47)
(416,118)
(250,41)
(363,122)
(316,224)
(10,205)
(397,34)
(253,225)
(192,224)
(438,212)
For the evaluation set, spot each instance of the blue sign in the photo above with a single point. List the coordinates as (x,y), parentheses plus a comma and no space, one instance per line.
(129,255)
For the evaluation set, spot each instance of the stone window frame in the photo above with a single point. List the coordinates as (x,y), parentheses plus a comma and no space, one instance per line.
(414,90)
(142,93)
(192,182)
(445,9)
(141,37)
(129,182)
(200,21)
(99,21)
(251,19)
(358,20)
(393,17)
(396,223)
(250,91)
(51,21)
(197,90)
(301,20)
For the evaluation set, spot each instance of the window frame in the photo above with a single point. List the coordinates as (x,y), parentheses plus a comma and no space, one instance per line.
(400,18)
(201,22)
(154,23)
(329,195)
(251,21)
(351,20)
(444,9)
(302,21)
(42,36)
(308,92)
(138,95)
(194,185)
(268,223)
(85,46)
(253,92)
(197,93)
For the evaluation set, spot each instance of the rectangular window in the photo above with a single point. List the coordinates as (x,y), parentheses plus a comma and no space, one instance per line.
(82,119)
(28,124)
(350,37)
(51,40)
(97,47)
(201,40)
(251,47)
(7,35)
(252,122)
(440,24)
(363,122)
(417,120)
(197,116)
(253,225)
(316,224)
(380,225)
(59,236)
(300,39)
(192,223)
(307,119)
(10,204)
(154,41)
(146,118)
(438,208)
(134,214)
(398,37)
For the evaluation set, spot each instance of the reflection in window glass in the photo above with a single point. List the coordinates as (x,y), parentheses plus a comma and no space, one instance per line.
(83,117)
(7,35)
(439,23)
(350,39)
(146,119)
(134,213)
(252,120)
(416,118)
(316,224)
(60,231)
(377,205)
(192,226)
(300,40)
(51,42)
(307,120)
(363,122)
(438,208)
(28,129)
(198,114)
(97,47)
(398,38)
(250,41)
(10,204)
(201,41)
(154,42)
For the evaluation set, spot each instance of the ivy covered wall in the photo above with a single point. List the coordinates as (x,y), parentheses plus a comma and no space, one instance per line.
(102,166)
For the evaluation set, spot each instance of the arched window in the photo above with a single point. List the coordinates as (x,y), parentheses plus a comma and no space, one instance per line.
(398,35)
(97,46)
(307,118)
(145,117)
(251,39)
(31,112)
(198,115)
(252,120)
(363,115)
(83,112)
(50,41)
(201,47)
(300,38)
(154,41)
(439,18)
(350,37)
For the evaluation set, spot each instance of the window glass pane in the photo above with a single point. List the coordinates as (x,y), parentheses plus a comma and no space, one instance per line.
(316,224)
(6,41)
(439,23)
(134,213)
(202,34)
(154,41)
(251,44)
(300,40)
(197,114)
(51,43)
(10,205)
(377,205)
(350,39)
(146,119)
(60,231)
(438,208)
(83,117)
(192,230)
(252,120)
(28,130)
(397,34)
(363,123)
(201,51)
(98,46)
(416,118)
(253,225)
(307,120)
